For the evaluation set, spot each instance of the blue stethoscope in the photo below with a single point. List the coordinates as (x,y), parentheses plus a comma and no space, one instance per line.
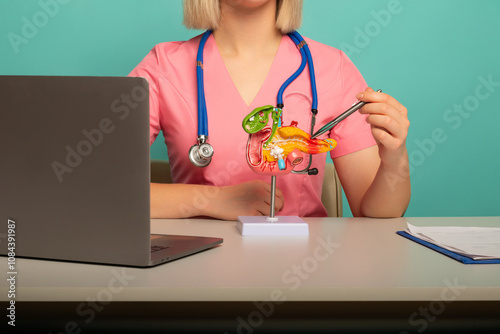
(201,153)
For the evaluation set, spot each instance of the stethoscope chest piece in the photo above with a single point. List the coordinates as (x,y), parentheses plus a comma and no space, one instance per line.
(201,154)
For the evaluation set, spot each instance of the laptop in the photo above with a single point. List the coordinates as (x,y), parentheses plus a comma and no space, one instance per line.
(75,172)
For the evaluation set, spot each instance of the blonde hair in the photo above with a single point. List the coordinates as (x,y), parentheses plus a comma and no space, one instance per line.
(205,14)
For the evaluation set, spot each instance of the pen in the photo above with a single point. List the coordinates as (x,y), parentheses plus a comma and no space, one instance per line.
(340,118)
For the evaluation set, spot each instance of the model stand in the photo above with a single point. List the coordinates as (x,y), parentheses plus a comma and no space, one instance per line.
(272,225)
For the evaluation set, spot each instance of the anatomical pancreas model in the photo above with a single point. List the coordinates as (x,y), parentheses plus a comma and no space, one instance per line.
(275,149)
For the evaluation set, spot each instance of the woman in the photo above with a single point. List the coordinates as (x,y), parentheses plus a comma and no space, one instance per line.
(246,60)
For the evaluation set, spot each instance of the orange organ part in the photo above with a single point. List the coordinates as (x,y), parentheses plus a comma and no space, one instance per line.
(288,138)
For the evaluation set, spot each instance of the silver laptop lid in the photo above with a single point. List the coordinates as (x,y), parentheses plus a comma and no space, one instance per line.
(72,194)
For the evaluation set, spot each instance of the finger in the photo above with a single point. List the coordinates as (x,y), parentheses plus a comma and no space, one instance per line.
(258,213)
(372,96)
(263,208)
(267,188)
(385,139)
(388,124)
(278,204)
(278,198)
(382,136)
(384,109)
(279,193)
(278,201)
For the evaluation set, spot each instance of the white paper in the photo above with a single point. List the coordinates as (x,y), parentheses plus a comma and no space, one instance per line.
(478,243)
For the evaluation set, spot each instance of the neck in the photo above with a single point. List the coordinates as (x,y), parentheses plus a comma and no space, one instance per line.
(247,30)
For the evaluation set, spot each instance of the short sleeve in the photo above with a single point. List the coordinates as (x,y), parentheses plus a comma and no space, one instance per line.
(148,68)
(353,133)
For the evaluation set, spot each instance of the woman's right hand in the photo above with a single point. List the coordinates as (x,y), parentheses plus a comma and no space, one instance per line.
(251,198)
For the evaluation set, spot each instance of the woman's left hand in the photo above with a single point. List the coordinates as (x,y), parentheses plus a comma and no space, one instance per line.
(389,123)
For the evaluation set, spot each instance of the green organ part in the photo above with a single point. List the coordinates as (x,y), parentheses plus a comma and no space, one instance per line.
(276,119)
(257,119)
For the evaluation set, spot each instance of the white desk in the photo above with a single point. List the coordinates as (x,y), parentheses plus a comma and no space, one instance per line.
(365,262)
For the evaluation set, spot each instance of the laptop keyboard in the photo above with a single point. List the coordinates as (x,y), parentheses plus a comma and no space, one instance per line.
(156,248)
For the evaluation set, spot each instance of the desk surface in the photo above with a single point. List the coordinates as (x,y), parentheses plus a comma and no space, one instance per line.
(343,259)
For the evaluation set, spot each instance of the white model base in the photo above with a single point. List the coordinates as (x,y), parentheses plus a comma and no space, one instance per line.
(282,225)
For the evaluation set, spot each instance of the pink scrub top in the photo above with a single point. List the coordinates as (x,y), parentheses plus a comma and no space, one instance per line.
(170,69)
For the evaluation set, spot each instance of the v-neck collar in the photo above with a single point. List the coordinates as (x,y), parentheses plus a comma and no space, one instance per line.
(235,90)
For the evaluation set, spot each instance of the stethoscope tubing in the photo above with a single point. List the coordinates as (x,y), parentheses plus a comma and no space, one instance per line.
(202,105)
(279,98)
(310,63)
(307,58)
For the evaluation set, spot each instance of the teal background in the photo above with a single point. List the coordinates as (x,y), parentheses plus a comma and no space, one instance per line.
(429,56)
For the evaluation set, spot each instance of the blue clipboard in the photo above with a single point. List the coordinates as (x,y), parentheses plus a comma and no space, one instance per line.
(453,255)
